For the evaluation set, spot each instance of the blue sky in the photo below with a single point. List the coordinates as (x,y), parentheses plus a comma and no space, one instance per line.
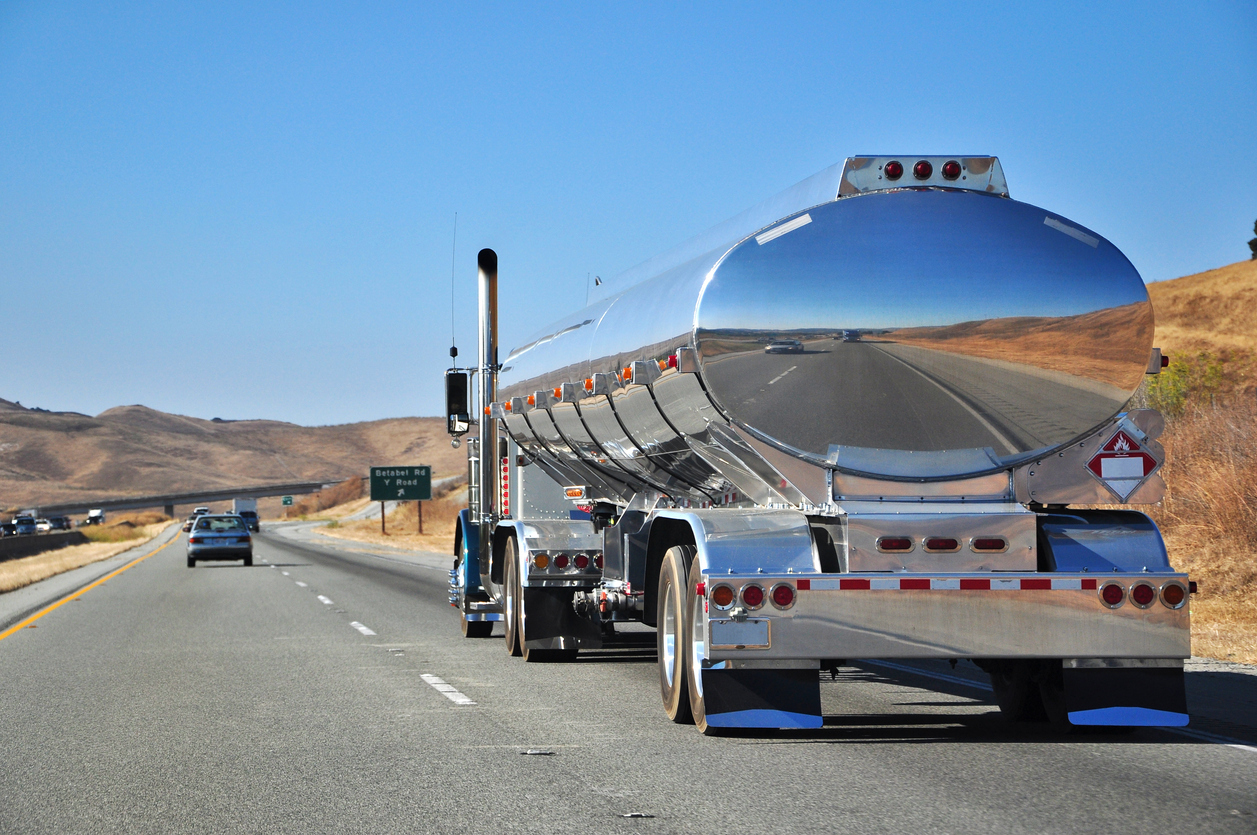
(246,210)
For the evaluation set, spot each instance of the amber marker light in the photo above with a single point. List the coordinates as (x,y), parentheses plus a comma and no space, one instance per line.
(541,561)
(722,596)
(589,384)
(532,400)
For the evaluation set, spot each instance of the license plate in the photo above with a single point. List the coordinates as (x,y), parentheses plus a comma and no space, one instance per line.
(733,634)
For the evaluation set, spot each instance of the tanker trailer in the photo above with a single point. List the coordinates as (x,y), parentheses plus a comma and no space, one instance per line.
(869,418)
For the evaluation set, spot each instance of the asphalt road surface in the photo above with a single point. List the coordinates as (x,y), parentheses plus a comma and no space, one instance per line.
(881,395)
(327,689)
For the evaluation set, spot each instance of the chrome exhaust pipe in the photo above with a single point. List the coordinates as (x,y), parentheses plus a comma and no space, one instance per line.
(487,261)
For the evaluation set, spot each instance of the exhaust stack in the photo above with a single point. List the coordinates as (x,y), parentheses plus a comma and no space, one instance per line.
(487,261)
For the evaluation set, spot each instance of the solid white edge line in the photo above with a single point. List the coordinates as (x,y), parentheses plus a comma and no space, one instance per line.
(365,630)
(446,690)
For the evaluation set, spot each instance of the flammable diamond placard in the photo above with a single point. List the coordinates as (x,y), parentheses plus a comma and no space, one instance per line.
(1122,465)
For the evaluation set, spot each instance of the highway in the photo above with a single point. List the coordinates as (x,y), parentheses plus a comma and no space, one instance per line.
(877,394)
(327,689)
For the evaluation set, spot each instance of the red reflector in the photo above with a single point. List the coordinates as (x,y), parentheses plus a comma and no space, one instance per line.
(922,170)
(700,589)
(975,585)
(1036,585)
(1191,586)
(914,585)
(1112,594)
(1165,361)
(598,562)
(1089,584)
(951,170)
(753,596)
(854,585)
(561,561)
(805,585)
(1143,594)
(672,360)
(582,562)
(783,596)
(893,170)
(989,543)
(895,543)
(941,543)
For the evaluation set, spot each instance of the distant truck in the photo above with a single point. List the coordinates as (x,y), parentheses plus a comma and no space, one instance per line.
(95,516)
(247,509)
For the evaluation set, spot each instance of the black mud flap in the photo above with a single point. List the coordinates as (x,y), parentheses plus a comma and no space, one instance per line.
(762,698)
(1125,696)
(550,615)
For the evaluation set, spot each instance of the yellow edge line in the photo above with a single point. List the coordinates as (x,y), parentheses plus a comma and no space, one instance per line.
(82,591)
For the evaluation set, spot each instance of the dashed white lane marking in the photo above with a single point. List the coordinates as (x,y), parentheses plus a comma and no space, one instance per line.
(365,630)
(303,585)
(446,690)
(782,374)
(324,600)
(285,573)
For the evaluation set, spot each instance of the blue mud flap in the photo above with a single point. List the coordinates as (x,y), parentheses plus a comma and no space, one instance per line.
(471,552)
(762,698)
(1126,696)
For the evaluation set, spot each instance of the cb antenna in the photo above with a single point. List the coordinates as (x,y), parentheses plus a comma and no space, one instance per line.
(453,263)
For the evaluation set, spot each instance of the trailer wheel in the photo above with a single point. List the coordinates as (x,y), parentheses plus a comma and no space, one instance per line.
(696,651)
(476,628)
(1016,691)
(512,595)
(670,634)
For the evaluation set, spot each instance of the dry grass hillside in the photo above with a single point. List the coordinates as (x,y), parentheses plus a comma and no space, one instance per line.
(52,457)
(1207,324)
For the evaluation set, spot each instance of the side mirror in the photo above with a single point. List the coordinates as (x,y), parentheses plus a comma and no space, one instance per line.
(457,411)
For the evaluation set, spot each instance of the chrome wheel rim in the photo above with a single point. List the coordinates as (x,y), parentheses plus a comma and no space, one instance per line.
(698,643)
(670,634)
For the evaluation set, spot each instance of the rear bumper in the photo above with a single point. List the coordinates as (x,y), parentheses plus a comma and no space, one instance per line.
(969,616)
(220,553)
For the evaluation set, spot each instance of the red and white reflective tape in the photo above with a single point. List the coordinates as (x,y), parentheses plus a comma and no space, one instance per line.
(945,584)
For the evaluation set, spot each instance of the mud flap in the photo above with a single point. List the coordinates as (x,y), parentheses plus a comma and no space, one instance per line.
(1125,696)
(762,698)
(553,624)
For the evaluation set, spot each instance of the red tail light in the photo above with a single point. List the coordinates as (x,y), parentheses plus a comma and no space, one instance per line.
(894,543)
(1143,594)
(753,596)
(922,170)
(193,540)
(582,561)
(951,170)
(783,596)
(989,543)
(1112,594)
(598,562)
(893,170)
(561,561)
(941,543)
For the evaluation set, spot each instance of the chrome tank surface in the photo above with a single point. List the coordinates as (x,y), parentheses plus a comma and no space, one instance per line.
(920,334)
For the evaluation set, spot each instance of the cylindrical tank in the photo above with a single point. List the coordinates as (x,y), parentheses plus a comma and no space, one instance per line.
(903,334)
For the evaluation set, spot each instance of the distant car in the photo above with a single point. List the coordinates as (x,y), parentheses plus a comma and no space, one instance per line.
(250,518)
(219,537)
(784,346)
(8,529)
(60,523)
(187,525)
(200,511)
(25,525)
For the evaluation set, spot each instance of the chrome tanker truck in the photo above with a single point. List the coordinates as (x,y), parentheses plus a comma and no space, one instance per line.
(882,415)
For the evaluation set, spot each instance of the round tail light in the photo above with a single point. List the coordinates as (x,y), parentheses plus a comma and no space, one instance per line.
(598,562)
(1143,594)
(1112,594)
(783,596)
(893,170)
(922,170)
(722,597)
(541,561)
(951,170)
(753,596)
(582,562)
(561,561)
(1173,595)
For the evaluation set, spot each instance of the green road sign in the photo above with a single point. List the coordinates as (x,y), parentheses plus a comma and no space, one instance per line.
(286,501)
(401,484)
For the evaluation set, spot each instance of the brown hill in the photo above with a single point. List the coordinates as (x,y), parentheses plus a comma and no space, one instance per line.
(1214,312)
(53,457)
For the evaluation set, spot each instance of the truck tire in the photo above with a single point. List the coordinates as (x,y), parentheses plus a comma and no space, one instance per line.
(670,635)
(512,595)
(696,652)
(1016,691)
